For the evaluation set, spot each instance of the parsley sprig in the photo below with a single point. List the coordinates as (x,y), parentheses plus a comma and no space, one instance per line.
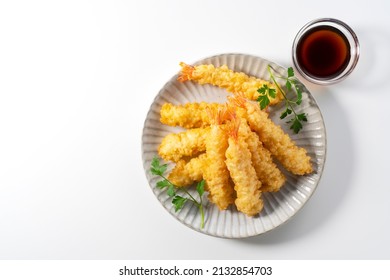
(178,201)
(291,83)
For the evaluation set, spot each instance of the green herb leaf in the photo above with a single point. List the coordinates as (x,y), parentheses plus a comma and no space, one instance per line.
(179,202)
(299,95)
(263,101)
(283,115)
(200,188)
(265,90)
(288,85)
(171,191)
(290,72)
(291,84)
(265,93)
(156,168)
(272,92)
(163,184)
(302,117)
(296,125)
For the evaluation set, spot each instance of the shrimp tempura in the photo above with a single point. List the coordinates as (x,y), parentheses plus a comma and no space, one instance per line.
(215,173)
(187,173)
(191,142)
(189,115)
(271,178)
(226,78)
(292,157)
(243,174)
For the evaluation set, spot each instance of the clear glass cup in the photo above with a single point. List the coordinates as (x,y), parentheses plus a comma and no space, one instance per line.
(325,51)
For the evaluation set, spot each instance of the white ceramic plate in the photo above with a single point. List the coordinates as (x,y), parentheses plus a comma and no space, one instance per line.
(278,207)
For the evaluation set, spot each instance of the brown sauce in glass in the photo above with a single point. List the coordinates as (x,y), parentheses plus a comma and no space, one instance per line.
(323,52)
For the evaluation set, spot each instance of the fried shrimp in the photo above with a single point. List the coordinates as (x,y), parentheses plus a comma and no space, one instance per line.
(235,149)
(226,78)
(190,115)
(292,157)
(243,174)
(191,142)
(216,174)
(187,173)
(271,178)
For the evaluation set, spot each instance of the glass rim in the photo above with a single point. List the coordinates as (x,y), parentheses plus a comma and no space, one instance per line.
(352,40)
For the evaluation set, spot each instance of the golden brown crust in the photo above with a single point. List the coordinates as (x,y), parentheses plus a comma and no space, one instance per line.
(190,115)
(279,143)
(189,143)
(187,173)
(272,179)
(226,78)
(243,174)
(216,174)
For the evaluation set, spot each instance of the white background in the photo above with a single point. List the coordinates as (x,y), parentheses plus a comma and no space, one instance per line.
(76,81)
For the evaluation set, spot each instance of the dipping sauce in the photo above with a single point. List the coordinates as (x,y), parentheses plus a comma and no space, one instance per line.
(323,52)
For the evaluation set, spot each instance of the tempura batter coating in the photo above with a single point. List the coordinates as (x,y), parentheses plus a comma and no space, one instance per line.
(189,115)
(191,142)
(187,173)
(216,174)
(243,174)
(272,179)
(226,78)
(292,157)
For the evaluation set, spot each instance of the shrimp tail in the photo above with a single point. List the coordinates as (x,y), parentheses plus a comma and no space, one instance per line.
(186,72)
(233,126)
(238,100)
(217,115)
